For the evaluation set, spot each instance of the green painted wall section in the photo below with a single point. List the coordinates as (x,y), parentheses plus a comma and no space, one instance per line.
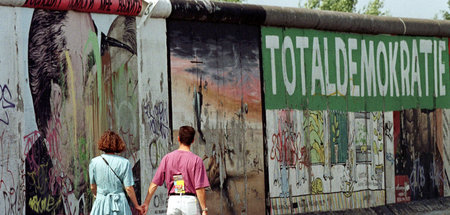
(319,70)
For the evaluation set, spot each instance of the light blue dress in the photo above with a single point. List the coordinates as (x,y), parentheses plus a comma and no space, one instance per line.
(111,199)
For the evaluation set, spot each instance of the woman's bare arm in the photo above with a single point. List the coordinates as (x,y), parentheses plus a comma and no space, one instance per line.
(132,195)
(94,189)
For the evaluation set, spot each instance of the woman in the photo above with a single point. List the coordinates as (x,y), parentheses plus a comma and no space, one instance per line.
(107,173)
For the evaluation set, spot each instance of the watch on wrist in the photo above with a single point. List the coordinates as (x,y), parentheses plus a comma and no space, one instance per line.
(205,209)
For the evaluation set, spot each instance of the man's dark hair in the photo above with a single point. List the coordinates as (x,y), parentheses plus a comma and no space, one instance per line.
(46,61)
(186,134)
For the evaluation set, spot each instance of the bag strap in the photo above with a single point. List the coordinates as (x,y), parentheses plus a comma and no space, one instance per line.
(112,170)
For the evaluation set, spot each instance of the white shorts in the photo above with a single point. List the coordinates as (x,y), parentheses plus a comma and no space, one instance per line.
(183,205)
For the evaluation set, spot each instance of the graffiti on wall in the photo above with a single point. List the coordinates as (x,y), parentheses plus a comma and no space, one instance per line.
(315,123)
(286,148)
(443,147)
(119,74)
(418,163)
(7,103)
(157,130)
(50,184)
(157,118)
(289,155)
(215,83)
(12,187)
(351,172)
(120,80)
(338,137)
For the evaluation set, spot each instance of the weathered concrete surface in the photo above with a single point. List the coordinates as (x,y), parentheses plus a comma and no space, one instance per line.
(428,206)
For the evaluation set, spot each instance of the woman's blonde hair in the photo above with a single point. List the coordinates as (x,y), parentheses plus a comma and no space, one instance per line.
(111,142)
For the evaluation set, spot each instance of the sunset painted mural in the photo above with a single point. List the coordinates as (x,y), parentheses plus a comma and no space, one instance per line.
(215,82)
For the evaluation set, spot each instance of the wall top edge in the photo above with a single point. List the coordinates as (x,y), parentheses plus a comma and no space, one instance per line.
(212,11)
(224,12)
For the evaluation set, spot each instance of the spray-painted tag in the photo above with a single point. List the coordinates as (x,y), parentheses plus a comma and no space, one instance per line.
(178,183)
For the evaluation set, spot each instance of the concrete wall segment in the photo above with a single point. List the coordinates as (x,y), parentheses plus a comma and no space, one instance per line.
(11,123)
(215,87)
(154,106)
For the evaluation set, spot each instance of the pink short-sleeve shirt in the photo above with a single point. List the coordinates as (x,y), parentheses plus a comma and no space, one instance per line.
(184,163)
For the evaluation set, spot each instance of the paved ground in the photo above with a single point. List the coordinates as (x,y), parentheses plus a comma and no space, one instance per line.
(440,206)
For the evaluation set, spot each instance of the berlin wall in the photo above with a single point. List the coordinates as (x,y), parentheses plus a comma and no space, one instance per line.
(295,110)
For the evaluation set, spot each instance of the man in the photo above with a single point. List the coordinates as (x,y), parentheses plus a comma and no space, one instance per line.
(185,177)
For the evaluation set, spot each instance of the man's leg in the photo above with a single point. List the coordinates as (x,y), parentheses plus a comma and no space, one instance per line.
(173,205)
(189,205)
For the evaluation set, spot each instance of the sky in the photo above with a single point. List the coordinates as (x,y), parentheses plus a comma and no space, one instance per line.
(424,9)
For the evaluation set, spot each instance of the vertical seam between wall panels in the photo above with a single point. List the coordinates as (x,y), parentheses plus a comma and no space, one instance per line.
(263,113)
(384,154)
(169,84)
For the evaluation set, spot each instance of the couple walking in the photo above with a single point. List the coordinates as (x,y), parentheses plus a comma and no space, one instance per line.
(183,172)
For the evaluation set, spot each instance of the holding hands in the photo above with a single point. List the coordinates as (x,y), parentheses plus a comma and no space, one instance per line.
(142,209)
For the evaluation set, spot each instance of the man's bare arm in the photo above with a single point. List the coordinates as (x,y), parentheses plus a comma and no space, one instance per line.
(201,198)
(150,192)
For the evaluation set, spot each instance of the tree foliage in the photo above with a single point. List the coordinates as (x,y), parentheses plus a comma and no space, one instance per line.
(446,14)
(443,14)
(375,7)
(334,5)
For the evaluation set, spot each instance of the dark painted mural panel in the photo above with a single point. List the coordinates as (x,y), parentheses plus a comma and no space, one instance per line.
(215,83)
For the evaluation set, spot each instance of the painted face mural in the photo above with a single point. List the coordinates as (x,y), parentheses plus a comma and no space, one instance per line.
(74,82)
(59,70)
(119,73)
